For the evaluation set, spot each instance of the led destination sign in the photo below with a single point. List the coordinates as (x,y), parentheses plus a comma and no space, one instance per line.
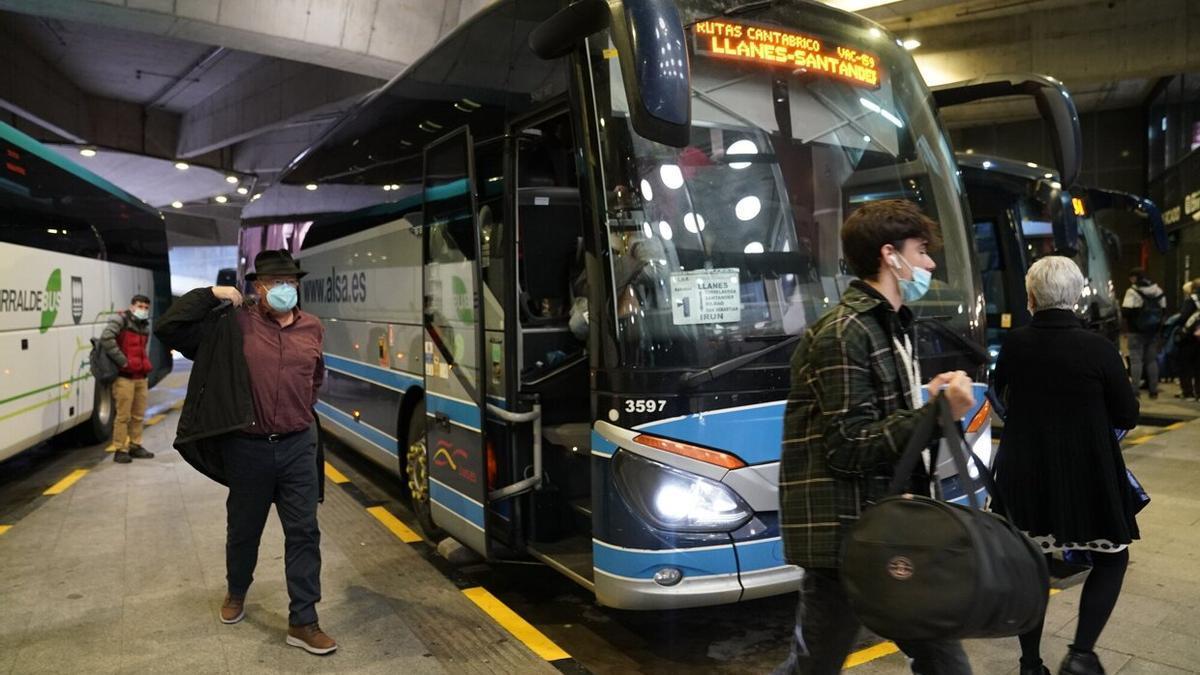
(773,46)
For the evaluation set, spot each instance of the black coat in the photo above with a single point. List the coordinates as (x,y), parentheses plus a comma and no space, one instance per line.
(218,401)
(1059,469)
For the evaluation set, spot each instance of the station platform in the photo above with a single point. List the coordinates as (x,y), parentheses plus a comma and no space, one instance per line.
(112,568)
(120,569)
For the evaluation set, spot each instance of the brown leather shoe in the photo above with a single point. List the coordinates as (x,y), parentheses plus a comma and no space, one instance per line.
(311,639)
(234,609)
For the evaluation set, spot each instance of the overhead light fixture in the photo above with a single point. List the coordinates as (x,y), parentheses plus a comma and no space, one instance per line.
(911,44)
(231,179)
(1032,165)
(1047,175)
(243,190)
(177,204)
(429,127)
(395,186)
(310,187)
(857,5)
(387,188)
(87,151)
(221,199)
(182,166)
(875,33)
(256,196)
(970,151)
(467,105)
(987,165)
(1056,185)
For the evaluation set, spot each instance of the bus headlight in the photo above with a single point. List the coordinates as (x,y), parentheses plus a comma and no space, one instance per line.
(677,500)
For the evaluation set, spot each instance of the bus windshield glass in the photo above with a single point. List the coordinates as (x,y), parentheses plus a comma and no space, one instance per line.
(732,243)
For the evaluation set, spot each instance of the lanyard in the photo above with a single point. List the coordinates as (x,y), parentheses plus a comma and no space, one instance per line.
(912,371)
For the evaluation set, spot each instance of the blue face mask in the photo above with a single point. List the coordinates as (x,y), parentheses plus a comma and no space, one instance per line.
(913,289)
(282,298)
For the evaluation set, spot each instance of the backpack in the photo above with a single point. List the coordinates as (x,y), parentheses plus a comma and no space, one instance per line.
(1150,315)
(103,368)
(1191,324)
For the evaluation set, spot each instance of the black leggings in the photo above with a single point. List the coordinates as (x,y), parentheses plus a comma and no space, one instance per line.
(1096,604)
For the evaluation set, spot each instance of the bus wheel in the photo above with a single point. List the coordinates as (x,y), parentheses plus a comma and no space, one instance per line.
(417,471)
(99,427)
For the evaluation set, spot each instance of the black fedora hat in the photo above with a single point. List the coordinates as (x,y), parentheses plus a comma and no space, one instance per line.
(278,263)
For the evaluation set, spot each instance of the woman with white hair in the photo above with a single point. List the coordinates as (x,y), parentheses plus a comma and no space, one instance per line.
(1059,469)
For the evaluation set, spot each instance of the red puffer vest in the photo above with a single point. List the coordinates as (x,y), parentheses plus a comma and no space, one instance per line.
(133,345)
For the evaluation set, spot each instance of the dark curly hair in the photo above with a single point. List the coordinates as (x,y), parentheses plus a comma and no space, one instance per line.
(888,221)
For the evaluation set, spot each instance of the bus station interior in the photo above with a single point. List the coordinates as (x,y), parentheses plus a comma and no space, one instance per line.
(260,124)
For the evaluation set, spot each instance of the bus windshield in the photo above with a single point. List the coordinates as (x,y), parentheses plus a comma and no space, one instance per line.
(732,243)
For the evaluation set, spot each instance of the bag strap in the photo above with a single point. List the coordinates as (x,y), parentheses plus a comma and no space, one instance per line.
(939,414)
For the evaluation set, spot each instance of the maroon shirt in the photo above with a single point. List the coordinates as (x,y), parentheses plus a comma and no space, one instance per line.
(286,369)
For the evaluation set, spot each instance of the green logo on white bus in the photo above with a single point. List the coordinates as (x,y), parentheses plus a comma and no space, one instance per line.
(53,293)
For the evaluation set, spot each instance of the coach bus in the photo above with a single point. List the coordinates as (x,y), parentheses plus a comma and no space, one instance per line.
(1022,212)
(74,248)
(585,243)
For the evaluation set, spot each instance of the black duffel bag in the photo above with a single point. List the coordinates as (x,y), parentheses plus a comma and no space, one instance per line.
(917,568)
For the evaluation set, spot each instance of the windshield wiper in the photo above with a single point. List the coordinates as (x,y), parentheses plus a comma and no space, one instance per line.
(692,380)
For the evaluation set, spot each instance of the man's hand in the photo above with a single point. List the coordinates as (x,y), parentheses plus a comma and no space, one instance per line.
(959,392)
(228,293)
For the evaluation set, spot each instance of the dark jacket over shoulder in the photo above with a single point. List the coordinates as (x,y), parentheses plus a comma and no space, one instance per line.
(1059,468)
(849,417)
(218,395)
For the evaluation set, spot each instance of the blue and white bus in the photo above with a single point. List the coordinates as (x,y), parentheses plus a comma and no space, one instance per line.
(579,249)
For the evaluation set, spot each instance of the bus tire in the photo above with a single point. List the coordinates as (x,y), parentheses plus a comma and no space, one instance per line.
(99,427)
(416,471)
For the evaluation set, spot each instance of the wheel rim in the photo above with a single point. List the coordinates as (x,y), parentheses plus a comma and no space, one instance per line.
(104,407)
(418,473)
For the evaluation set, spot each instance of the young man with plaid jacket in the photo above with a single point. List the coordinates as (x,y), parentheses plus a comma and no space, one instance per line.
(855,400)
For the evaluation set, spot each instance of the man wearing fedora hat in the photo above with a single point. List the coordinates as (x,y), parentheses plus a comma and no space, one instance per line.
(248,423)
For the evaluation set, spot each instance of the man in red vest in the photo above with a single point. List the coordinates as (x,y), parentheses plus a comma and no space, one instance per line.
(125,338)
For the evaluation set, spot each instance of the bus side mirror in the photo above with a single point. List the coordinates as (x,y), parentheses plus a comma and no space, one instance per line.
(652,48)
(1053,103)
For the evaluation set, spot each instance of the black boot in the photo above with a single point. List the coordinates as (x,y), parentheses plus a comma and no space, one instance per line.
(1039,669)
(1079,662)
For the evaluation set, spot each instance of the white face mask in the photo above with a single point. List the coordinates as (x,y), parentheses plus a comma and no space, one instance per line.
(141,314)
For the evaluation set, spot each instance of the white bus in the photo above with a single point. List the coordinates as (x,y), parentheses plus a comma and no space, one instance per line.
(73,250)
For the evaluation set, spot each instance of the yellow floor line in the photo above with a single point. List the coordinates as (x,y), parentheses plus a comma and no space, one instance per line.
(334,475)
(62,485)
(155,420)
(1141,439)
(177,405)
(402,531)
(888,648)
(870,654)
(513,623)
(5,528)
(1176,425)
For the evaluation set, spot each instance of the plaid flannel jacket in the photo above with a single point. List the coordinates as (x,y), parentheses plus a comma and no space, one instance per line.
(848,419)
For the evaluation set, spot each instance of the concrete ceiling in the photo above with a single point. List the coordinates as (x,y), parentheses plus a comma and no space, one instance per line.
(244,85)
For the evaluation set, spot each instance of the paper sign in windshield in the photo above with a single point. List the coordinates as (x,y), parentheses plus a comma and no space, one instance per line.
(706,296)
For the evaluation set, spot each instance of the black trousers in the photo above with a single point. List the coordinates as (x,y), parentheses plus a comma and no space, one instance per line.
(826,629)
(285,474)
(1188,359)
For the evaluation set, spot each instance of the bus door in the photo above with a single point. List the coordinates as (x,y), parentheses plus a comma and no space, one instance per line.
(455,393)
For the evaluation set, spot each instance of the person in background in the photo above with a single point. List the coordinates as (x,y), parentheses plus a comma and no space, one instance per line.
(1059,470)
(248,422)
(1187,337)
(1144,308)
(855,400)
(126,339)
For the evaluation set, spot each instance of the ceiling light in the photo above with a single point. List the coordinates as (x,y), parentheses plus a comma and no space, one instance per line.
(887,115)
(256,196)
(647,230)
(911,44)
(742,147)
(87,151)
(647,191)
(987,164)
(182,166)
(177,204)
(857,5)
(664,229)
(310,187)
(221,199)
(1032,165)
(970,151)
(232,180)
(753,247)
(387,188)
(747,208)
(671,176)
(875,33)
(866,138)
(1056,185)
(693,222)
(1047,175)
(242,191)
